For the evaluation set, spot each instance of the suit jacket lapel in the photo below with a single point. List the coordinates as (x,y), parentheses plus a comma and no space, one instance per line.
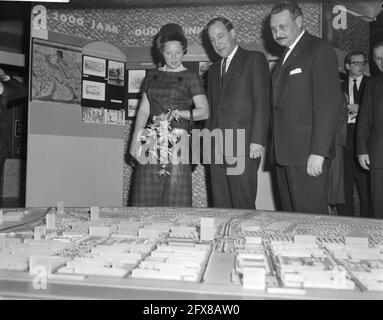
(363,83)
(297,51)
(234,63)
(275,79)
(276,71)
(346,84)
(281,72)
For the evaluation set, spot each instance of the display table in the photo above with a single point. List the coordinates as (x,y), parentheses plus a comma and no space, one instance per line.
(166,253)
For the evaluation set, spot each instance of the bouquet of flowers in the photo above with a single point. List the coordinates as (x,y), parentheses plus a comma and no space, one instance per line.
(162,138)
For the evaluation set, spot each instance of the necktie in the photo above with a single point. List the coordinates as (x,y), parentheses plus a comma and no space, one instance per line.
(356,92)
(223,69)
(287,49)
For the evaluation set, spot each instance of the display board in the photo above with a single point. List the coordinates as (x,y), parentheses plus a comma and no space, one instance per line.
(76,125)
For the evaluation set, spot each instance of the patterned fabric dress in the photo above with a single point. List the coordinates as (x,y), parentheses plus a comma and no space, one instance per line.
(167,90)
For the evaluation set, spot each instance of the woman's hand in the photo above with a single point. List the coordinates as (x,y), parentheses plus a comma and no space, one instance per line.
(176,114)
(170,115)
(138,139)
(163,116)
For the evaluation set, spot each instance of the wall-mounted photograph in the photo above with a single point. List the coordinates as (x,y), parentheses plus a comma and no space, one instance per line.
(203,68)
(132,107)
(56,72)
(93,90)
(135,80)
(116,73)
(94,66)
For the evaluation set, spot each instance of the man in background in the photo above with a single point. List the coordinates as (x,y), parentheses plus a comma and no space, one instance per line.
(369,133)
(353,87)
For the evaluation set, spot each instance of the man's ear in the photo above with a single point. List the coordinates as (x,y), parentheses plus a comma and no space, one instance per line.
(233,33)
(347,66)
(299,21)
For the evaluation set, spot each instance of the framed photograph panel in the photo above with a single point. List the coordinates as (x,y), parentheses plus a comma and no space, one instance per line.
(203,68)
(93,90)
(136,77)
(132,107)
(116,73)
(94,66)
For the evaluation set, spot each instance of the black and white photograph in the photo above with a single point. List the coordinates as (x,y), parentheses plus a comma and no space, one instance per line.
(203,68)
(135,79)
(116,73)
(132,107)
(172,154)
(93,90)
(94,66)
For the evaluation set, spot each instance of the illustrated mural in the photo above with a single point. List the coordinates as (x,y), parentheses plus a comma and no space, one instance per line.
(56,73)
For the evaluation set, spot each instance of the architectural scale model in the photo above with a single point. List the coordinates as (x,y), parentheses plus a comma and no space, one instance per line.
(254,254)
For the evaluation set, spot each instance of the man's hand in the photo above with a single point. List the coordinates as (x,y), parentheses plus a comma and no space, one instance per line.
(364,160)
(256,150)
(353,110)
(315,165)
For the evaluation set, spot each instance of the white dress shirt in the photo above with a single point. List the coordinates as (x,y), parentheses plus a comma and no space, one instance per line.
(292,46)
(351,88)
(229,58)
(351,117)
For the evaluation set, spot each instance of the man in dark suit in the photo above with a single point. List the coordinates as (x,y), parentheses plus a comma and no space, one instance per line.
(355,63)
(307,105)
(369,133)
(238,95)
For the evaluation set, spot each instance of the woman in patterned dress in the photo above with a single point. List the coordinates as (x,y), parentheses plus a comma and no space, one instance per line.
(169,91)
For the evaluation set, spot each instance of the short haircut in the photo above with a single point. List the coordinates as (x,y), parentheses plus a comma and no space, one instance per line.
(347,58)
(377,45)
(227,23)
(171,32)
(290,6)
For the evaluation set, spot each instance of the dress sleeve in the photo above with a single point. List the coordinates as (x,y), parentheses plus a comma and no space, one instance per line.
(196,87)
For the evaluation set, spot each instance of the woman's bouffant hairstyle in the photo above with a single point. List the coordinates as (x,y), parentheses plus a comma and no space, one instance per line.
(171,32)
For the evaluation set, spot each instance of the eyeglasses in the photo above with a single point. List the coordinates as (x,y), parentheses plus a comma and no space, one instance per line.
(359,63)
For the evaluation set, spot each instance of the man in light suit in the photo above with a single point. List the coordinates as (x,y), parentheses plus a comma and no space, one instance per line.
(307,105)
(238,94)
(355,63)
(369,133)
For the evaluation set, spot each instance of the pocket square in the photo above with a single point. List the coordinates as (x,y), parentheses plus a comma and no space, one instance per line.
(295,71)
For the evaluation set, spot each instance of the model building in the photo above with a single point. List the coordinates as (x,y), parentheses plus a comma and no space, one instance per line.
(237,252)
